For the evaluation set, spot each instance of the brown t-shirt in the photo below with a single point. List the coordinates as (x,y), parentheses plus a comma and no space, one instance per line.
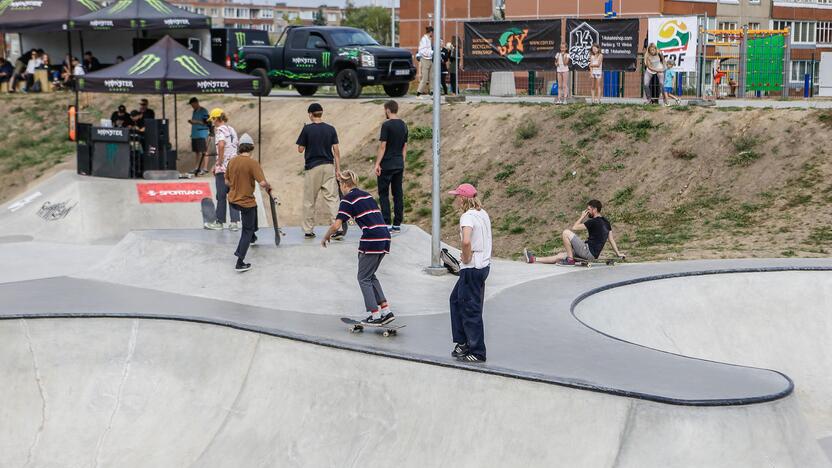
(240,176)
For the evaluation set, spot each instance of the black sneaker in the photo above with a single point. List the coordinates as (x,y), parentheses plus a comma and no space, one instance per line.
(387,318)
(309,235)
(241,267)
(470,358)
(371,321)
(396,229)
(529,256)
(339,235)
(459,350)
(253,240)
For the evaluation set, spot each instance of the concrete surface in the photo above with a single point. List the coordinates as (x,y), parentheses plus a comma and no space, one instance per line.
(775,320)
(247,400)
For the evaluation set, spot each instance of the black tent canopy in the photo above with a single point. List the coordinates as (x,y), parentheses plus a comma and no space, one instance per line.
(167,67)
(42,15)
(141,14)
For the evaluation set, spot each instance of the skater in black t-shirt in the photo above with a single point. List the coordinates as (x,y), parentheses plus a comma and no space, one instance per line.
(390,165)
(599,230)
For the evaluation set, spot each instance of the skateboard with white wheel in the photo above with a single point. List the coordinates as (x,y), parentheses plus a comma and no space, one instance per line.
(356,326)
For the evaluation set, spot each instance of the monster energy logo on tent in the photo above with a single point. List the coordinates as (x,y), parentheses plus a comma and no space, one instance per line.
(159,6)
(89,4)
(192,65)
(4,4)
(325,56)
(121,5)
(145,63)
(241,38)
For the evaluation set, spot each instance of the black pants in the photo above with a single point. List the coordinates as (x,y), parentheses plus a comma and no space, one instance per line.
(222,200)
(388,180)
(466,309)
(452,83)
(247,234)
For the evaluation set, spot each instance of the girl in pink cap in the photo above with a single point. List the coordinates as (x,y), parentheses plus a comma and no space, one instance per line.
(469,293)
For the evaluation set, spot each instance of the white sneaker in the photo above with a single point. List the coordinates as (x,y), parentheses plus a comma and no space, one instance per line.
(215,226)
(234,226)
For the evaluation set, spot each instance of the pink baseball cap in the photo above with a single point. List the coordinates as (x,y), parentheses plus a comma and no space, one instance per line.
(465,191)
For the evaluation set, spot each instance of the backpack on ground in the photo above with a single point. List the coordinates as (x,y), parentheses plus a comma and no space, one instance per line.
(450,262)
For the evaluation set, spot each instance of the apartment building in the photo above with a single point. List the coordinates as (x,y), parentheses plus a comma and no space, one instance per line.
(266,15)
(415,15)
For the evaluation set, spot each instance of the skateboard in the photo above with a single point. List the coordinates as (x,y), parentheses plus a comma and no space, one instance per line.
(209,213)
(356,327)
(589,263)
(272,204)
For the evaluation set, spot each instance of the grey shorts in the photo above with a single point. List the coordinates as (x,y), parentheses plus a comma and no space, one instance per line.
(580,249)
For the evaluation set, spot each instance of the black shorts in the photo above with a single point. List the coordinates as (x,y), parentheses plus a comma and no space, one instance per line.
(199,145)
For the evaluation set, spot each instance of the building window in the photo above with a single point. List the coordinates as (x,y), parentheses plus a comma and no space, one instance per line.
(754,26)
(242,13)
(824,32)
(214,12)
(229,13)
(803,32)
(727,25)
(267,14)
(332,17)
(307,15)
(800,68)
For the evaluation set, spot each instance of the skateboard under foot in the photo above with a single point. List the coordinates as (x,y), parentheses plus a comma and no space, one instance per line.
(357,327)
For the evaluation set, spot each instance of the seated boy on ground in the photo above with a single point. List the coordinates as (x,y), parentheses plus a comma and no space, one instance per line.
(599,230)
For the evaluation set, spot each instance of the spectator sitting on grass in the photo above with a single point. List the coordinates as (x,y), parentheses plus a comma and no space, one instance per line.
(600,231)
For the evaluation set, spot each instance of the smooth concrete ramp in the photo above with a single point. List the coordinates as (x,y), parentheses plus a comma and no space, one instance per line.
(139,393)
(98,210)
(777,320)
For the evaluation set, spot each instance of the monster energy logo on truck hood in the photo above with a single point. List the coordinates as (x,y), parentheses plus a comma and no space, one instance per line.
(192,65)
(145,63)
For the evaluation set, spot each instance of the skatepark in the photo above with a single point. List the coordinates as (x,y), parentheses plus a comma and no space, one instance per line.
(127,340)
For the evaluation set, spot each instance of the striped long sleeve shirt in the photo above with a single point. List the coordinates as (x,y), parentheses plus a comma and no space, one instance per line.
(360,205)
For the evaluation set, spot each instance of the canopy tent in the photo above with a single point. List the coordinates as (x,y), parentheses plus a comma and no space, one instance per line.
(141,15)
(169,68)
(42,15)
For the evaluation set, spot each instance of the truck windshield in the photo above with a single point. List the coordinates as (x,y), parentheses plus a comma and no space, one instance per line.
(352,38)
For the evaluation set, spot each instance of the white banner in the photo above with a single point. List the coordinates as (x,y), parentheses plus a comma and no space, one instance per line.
(676,36)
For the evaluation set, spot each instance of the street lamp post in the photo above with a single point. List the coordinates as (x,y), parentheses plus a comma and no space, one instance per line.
(436,227)
(392,23)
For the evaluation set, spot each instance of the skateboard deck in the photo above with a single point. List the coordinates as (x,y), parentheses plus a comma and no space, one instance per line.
(588,263)
(356,326)
(209,213)
(272,204)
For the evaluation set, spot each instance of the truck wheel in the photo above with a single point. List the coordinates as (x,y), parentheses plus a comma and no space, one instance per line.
(347,84)
(396,89)
(266,82)
(306,90)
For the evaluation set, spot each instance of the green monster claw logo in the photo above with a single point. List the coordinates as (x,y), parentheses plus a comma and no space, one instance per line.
(241,38)
(159,6)
(89,5)
(511,44)
(4,4)
(145,63)
(121,5)
(325,57)
(300,76)
(192,65)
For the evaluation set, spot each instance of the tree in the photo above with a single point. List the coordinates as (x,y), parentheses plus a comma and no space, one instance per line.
(373,19)
(296,21)
(320,19)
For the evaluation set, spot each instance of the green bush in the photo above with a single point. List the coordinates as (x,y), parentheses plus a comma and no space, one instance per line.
(420,133)
(527,130)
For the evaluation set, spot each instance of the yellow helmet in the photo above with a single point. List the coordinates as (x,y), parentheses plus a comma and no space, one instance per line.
(215,113)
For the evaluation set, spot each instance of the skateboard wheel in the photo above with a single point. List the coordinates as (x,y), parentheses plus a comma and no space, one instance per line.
(386,334)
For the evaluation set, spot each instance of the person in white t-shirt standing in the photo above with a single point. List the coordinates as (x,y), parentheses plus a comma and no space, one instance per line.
(425,57)
(227,141)
(469,293)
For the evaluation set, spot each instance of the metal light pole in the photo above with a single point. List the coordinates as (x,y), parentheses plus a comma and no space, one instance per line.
(436,228)
(392,23)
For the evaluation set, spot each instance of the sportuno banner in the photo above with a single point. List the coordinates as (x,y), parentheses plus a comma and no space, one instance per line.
(676,38)
(511,45)
(617,38)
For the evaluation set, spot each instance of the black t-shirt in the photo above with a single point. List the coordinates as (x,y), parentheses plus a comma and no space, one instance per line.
(394,132)
(599,230)
(124,118)
(318,139)
(148,114)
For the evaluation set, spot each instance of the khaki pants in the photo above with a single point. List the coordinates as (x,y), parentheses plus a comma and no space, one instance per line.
(424,82)
(316,180)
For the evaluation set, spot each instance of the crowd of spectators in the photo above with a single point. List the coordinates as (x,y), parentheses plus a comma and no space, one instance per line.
(20,75)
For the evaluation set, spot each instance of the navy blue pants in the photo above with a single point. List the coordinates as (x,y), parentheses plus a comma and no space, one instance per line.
(249,232)
(466,309)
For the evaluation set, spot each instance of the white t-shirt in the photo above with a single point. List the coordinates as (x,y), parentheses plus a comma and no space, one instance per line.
(32,64)
(480,224)
(425,48)
(227,134)
(78,71)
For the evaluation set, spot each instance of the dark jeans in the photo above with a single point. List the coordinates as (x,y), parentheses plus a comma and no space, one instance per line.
(222,200)
(452,83)
(247,234)
(466,309)
(370,287)
(388,180)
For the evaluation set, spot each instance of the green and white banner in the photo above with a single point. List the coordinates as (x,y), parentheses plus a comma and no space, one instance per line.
(676,37)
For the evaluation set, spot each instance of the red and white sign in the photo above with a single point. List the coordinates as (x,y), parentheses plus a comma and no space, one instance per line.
(178,192)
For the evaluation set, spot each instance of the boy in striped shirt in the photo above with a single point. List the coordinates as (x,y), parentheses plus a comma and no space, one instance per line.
(374,244)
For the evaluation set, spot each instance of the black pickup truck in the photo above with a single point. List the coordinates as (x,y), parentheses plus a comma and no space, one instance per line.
(311,56)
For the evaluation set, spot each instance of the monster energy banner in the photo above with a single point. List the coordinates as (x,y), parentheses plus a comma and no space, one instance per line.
(511,45)
(141,14)
(167,67)
(617,38)
(42,15)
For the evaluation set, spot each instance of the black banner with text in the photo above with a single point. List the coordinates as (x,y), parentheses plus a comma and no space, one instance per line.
(511,45)
(617,38)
